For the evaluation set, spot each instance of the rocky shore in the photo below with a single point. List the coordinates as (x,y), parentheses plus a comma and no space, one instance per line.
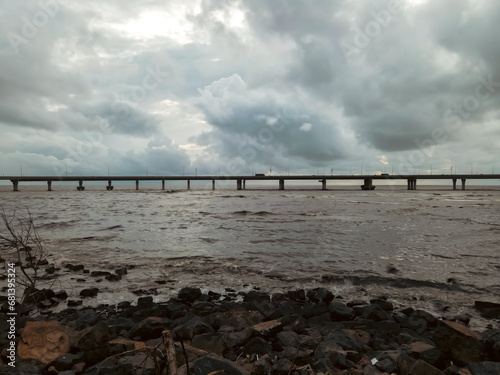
(294,333)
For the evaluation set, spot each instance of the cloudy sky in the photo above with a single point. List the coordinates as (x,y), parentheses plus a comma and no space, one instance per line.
(238,87)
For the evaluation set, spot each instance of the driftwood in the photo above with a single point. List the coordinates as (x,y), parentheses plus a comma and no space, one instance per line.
(170,352)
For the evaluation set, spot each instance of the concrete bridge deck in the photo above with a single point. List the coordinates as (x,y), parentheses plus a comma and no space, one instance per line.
(241,180)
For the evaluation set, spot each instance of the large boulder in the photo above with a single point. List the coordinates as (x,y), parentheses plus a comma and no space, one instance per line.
(46,341)
(460,343)
(212,363)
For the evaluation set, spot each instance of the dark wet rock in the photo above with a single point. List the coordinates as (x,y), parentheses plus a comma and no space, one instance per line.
(426,352)
(238,319)
(287,339)
(73,303)
(372,312)
(94,342)
(331,351)
(100,273)
(90,292)
(173,310)
(257,345)
(202,308)
(269,328)
(189,294)
(488,310)
(314,309)
(423,368)
(431,320)
(121,271)
(282,366)
(256,296)
(383,303)
(320,295)
(485,368)
(74,268)
(491,340)
(340,312)
(112,277)
(356,302)
(458,342)
(240,338)
(211,342)
(195,326)
(85,318)
(285,308)
(41,295)
(67,361)
(213,362)
(344,339)
(296,295)
(294,322)
(149,328)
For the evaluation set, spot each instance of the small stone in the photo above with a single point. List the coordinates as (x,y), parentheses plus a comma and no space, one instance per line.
(90,292)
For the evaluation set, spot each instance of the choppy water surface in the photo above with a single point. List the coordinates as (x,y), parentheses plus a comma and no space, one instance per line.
(435,247)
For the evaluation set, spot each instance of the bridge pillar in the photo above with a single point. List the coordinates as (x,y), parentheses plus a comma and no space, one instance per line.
(213,184)
(409,184)
(414,184)
(369,184)
(282,184)
(162,184)
(80,186)
(15,185)
(463,183)
(109,186)
(49,185)
(454,184)
(238,184)
(136,184)
(189,184)
(244,184)
(323,184)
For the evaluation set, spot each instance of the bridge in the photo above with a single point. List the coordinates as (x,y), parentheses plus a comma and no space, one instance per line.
(241,180)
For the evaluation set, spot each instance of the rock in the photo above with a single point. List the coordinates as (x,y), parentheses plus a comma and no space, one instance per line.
(310,310)
(256,296)
(269,328)
(485,368)
(431,320)
(329,350)
(236,339)
(67,361)
(61,295)
(120,345)
(491,340)
(320,295)
(340,312)
(212,362)
(90,292)
(86,318)
(282,366)
(382,302)
(285,308)
(191,352)
(195,326)
(257,345)
(94,342)
(235,318)
(73,268)
(173,310)
(45,341)
(343,339)
(287,339)
(121,271)
(112,277)
(149,328)
(73,303)
(140,363)
(460,343)
(373,312)
(294,322)
(211,342)
(296,295)
(189,294)
(488,310)
(40,295)
(425,352)
(423,368)
(100,273)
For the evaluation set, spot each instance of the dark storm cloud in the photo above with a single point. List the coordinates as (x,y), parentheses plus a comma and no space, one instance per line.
(292,83)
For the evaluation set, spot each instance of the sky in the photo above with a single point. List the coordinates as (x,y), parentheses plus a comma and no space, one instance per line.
(241,87)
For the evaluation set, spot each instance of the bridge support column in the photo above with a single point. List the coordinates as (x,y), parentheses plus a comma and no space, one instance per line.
(463,183)
(136,184)
(213,184)
(368,184)
(162,184)
(454,184)
(323,184)
(189,184)
(238,184)
(49,185)
(414,184)
(282,184)
(244,184)
(15,185)
(109,186)
(80,186)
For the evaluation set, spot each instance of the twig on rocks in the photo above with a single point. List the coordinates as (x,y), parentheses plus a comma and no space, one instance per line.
(185,356)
